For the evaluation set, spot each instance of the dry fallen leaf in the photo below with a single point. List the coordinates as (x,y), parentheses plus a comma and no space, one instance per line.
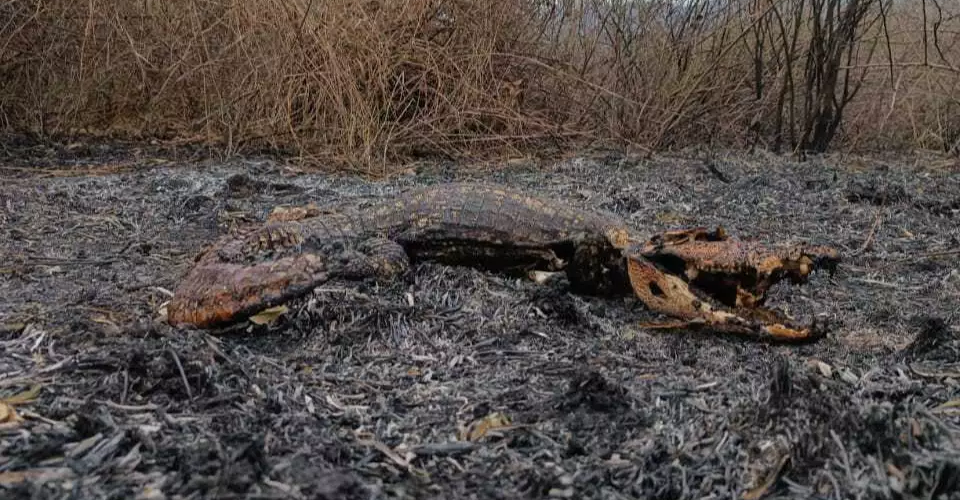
(25,396)
(108,326)
(771,479)
(8,414)
(952,407)
(12,328)
(15,477)
(480,428)
(269,315)
(824,369)
(288,214)
(541,277)
(10,478)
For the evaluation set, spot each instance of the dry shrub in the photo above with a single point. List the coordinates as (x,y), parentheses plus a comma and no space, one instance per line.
(653,74)
(367,83)
(364,82)
(912,96)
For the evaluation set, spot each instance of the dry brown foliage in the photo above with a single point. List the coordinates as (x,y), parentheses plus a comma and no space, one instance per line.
(366,83)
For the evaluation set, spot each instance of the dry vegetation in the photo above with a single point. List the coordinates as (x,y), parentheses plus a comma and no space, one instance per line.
(366,83)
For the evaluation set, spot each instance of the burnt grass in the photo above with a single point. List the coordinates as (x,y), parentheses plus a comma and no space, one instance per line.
(455,383)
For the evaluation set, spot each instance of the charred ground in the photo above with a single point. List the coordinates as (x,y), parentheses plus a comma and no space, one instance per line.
(361,390)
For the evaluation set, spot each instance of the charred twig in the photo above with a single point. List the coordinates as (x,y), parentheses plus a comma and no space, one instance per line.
(871,234)
(712,168)
(183,375)
(51,261)
(920,256)
(451,448)
(131,408)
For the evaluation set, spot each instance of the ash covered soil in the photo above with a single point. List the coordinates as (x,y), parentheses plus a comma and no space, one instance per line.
(455,383)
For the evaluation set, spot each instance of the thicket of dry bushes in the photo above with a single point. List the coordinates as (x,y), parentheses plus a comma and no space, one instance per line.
(368,82)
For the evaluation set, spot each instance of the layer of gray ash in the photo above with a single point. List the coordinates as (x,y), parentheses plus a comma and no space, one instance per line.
(456,383)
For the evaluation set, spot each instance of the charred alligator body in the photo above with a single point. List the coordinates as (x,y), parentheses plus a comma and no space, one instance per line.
(699,277)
